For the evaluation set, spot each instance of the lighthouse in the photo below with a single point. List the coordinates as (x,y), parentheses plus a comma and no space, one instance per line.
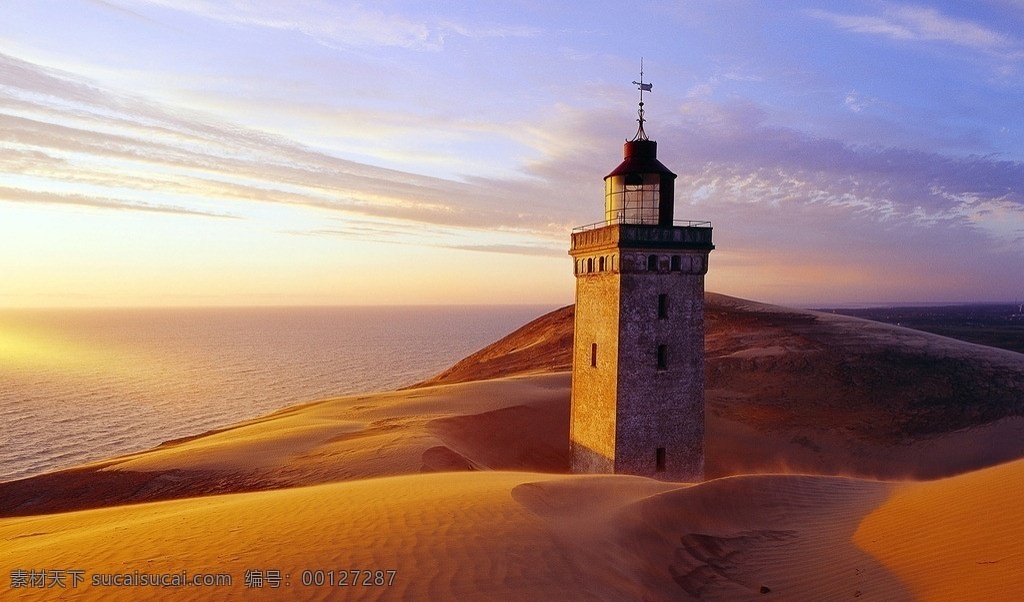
(638,350)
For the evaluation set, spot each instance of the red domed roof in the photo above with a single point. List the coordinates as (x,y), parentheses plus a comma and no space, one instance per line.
(640,156)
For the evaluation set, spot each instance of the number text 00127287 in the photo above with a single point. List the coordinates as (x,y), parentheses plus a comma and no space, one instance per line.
(349,578)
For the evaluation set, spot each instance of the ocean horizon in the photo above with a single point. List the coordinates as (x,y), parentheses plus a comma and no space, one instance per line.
(79,385)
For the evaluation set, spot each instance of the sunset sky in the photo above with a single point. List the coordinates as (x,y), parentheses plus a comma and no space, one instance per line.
(319,152)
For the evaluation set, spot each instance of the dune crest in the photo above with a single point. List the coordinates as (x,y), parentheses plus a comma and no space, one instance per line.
(953,539)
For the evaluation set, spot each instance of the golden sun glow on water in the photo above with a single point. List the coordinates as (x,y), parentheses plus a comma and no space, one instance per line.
(43,351)
(78,385)
(27,350)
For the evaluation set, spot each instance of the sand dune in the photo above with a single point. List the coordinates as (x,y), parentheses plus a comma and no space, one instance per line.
(458,484)
(792,390)
(468,426)
(525,536)
(489,534)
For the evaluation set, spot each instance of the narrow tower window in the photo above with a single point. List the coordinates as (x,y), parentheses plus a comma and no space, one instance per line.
(662,357)
(593,354)
(652,263)
(600,265)
(676,263)
(659,460)
(662,306)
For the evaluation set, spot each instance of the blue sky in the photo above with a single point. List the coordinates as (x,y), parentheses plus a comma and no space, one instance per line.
(317,152)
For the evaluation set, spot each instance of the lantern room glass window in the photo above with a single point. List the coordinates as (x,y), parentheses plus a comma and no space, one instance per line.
(632,198)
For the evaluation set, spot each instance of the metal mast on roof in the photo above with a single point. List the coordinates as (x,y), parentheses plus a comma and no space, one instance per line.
(640,134)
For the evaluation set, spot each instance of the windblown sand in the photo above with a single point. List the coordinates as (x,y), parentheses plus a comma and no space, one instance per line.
(821,431)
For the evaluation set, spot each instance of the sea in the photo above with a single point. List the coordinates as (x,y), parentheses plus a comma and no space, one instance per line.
(78,385)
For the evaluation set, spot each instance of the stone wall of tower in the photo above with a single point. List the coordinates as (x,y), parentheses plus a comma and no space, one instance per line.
(592,417)
(660,395)
(638,351)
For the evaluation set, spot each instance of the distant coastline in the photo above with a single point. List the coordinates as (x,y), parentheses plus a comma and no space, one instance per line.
(998,325)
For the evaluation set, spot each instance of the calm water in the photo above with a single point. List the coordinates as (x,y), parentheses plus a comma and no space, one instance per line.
(80,385)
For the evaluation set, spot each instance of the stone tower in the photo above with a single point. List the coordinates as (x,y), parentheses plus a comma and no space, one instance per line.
(638,354)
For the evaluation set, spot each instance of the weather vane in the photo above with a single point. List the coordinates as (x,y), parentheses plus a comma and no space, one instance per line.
(643,87)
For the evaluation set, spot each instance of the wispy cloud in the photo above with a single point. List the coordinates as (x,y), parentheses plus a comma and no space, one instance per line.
(327,22)
(543,251)
(18,195)
(490,31)
(841,221)
(734,146)
(772,191)
(920,23)
(57,130)
(413,233)
(341,24)
(857,102)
